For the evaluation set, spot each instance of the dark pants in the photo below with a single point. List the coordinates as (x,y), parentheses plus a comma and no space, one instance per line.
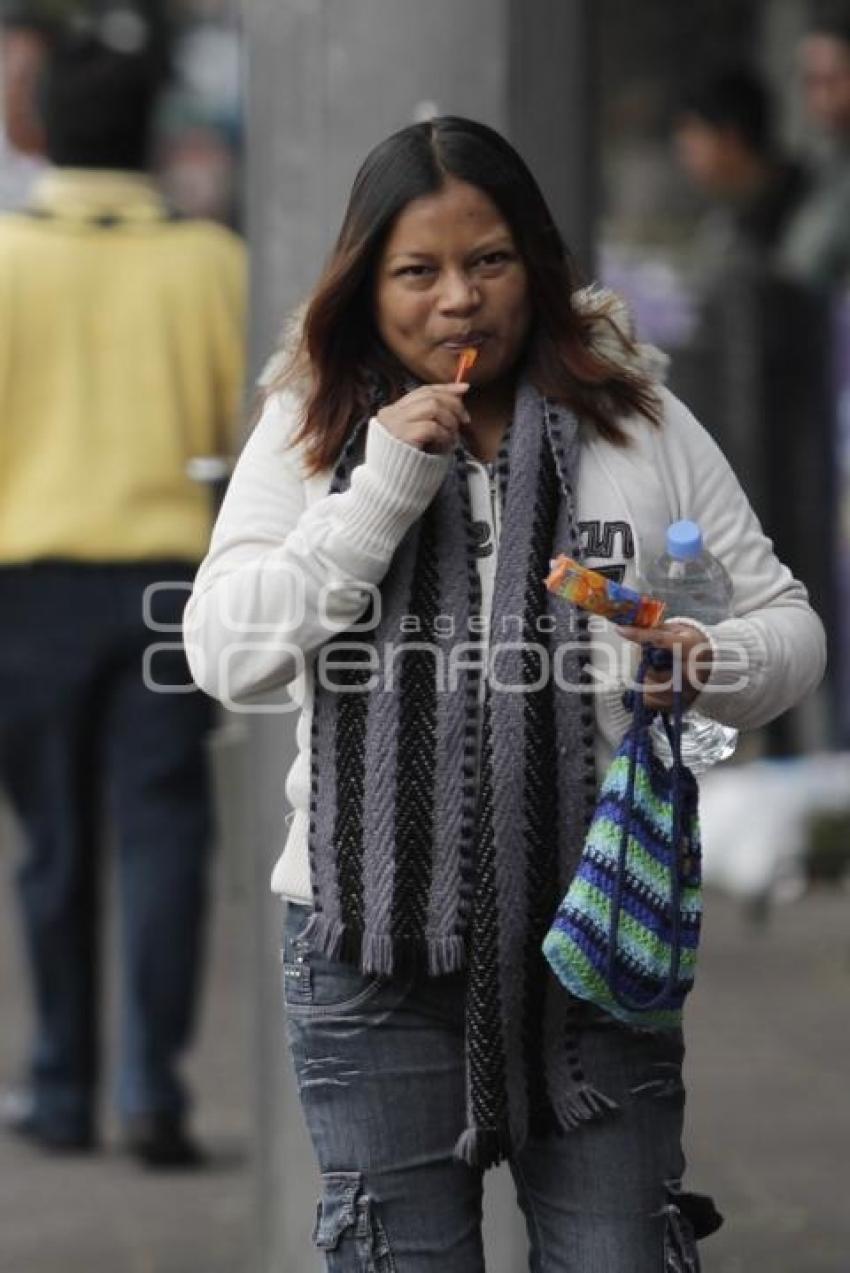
(85,745)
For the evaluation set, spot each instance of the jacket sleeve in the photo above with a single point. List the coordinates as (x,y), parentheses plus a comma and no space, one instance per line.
(281,578)
(772,653)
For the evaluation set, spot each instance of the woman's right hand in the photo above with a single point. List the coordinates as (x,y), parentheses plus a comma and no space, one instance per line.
(429,418)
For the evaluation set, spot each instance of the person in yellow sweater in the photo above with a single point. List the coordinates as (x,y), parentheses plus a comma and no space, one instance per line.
(121,360)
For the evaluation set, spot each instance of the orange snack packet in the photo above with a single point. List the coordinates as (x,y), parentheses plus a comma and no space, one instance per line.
(601,595)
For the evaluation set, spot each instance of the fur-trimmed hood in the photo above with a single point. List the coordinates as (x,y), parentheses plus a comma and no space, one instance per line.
(614,336)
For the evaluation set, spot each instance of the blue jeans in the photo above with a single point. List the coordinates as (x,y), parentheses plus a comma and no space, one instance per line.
(80,737)
(380,1072)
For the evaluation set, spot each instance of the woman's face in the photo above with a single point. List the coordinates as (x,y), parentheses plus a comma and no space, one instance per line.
(450,276)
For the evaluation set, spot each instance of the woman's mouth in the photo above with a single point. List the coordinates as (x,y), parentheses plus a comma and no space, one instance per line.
(456,343)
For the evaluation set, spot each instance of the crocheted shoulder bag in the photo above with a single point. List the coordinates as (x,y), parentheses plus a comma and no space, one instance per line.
(625,936)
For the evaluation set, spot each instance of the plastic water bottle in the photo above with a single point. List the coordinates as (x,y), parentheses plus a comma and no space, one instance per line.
(695,585)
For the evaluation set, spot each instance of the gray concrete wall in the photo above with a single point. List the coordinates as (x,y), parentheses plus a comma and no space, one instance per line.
(326,80)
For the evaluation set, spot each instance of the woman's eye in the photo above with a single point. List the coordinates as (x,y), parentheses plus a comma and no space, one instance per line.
(494,258)
(414,271)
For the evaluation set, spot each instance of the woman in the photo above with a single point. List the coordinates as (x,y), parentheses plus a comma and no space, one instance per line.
(380,515)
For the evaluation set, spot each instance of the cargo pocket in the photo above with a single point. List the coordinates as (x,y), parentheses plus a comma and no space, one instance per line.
(689,1217)
(348,1229)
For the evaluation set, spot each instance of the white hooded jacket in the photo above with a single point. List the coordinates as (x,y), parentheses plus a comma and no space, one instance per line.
(289,565)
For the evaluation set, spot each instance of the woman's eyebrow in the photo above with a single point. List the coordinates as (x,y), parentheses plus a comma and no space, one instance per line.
(420,256)
(487,245)
(495,241)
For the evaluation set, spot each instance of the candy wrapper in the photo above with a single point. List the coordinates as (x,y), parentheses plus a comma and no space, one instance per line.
(600,595)
(467,360)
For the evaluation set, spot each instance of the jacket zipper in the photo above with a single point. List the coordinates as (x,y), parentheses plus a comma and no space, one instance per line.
(494,504)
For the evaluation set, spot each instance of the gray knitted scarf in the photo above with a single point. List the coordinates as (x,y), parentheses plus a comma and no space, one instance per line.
(422,853)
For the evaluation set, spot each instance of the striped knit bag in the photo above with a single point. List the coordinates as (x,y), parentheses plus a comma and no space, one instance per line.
(625,936)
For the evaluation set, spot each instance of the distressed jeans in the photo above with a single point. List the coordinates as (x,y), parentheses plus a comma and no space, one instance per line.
(379,1064)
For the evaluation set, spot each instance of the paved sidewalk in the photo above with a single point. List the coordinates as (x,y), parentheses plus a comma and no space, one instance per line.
(769,1115)
(102,1213)
(769,1086)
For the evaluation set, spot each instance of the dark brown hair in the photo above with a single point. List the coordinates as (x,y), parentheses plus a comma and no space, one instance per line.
(338,354)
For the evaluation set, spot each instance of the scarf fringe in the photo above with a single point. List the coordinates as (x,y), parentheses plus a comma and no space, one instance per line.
(446,955)
(326,936)
(377,955)
(480,1147)
(486,1146)
(582,1105)
(377,951)
(441,955)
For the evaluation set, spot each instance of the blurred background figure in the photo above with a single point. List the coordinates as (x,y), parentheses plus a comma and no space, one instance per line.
(121,359)
(725,141)
(24,43)
(758,366)
(817,245)
(200,135)
(197,135)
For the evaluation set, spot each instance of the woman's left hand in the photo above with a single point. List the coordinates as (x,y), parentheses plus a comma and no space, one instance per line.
(691,654)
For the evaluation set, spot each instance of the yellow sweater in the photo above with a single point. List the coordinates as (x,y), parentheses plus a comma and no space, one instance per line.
(121,358)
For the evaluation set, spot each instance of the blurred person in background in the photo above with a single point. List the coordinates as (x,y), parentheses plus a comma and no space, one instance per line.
(757,370)
(724,141)
(817,245)
(24,44)
(121,358)
(201,122)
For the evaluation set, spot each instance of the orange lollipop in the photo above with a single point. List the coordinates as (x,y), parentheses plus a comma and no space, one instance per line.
(466,361)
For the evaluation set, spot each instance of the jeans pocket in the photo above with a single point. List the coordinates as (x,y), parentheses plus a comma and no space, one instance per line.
(312,983)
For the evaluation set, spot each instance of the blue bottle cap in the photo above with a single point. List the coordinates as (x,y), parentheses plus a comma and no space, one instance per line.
(684,540)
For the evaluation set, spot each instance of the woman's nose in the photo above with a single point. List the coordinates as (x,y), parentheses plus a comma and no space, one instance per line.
(458,294)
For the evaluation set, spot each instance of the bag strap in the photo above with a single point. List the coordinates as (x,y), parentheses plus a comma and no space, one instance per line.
(642,717)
